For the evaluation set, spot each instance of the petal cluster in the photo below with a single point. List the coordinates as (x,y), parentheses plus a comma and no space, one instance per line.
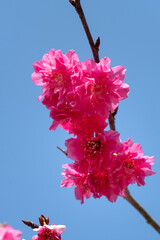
(132,166)
(8,233)
(101,89)
(79,94)
(52,232)
(54,72)
(80,97)
(105,166)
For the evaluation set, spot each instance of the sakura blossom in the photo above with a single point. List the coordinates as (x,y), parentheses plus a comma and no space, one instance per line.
(49,232)
(95,151)
(131,165)
(54,72)
(8,233)
(102,88)
(75,122)
(91,171)
(107,174)
(97,183)
(79,96)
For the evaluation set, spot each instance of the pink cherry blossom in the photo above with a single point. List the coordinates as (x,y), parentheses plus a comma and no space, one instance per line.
(97,183)
(73,177)
(131,165)
(105,167)
(79,96)
(95,151)
(75,122)
(91,171)
(8,233)
(102,88)
(54,72)
(52,232)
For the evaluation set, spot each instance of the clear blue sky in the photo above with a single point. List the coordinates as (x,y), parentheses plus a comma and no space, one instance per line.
(30,172)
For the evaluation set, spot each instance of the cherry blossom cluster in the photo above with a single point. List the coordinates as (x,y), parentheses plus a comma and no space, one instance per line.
(45,231)
(80,97)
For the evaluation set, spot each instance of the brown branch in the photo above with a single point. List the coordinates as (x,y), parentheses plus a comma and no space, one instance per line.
(142,211)
(94,46)
(95,51)
(62,150)
(111,119)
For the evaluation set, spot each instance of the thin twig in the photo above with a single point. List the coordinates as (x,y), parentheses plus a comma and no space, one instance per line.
(142,211)
(94,46)
(62,150)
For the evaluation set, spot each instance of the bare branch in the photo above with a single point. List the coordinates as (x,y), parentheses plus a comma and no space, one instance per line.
(94,47)
(142,211)
(62,150)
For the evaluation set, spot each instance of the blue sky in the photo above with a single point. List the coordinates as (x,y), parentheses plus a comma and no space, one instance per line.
(31,166)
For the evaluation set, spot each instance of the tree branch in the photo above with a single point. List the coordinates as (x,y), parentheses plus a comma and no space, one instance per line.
(94,46)
(142,211)
(95,51)
(111,119)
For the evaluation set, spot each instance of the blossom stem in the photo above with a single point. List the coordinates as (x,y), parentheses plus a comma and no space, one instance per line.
(142,211)
(94,46)
(62,150)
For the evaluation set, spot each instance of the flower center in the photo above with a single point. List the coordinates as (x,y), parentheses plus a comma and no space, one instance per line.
(53,79)
(129,163)
(47,234)
(92,147)
(98,90)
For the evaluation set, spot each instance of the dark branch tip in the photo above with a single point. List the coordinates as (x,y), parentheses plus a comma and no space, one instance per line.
(72,2)
(97,43)
(30,224)
(62,150)
(115,111)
